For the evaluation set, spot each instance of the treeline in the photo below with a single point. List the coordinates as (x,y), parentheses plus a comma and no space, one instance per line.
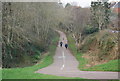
(27,31)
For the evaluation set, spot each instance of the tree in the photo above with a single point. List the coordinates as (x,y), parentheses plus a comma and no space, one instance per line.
(100,14)
(27,29)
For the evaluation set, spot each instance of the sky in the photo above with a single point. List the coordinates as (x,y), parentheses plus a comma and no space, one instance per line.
(82,3)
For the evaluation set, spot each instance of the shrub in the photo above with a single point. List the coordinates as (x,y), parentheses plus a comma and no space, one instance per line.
(90,30)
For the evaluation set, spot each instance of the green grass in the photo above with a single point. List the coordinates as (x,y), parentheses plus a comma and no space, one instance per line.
(113,80)
(110,66)
(0,74)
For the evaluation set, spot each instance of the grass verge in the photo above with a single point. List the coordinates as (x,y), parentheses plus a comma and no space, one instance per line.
(0,74)
(110,66)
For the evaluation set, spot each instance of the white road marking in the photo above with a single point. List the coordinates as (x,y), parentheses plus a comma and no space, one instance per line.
(63,61)
(62,67)
(60,57)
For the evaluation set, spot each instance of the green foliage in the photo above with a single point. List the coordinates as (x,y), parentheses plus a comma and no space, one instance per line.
(37,55)
(61,25)
(67,5)
(106,43)
(90,30)
(100,45)
(88,43)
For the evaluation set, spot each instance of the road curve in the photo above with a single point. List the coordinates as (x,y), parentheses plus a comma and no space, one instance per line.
(65,64)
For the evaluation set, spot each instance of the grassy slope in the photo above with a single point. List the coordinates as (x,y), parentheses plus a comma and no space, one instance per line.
(110,66)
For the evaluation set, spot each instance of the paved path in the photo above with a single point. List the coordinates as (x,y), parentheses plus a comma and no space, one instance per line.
(65,64)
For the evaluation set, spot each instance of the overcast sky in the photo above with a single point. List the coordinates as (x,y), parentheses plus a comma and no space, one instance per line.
(82,3)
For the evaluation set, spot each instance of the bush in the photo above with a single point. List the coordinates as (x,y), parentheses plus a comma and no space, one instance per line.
(88,44)
(90,30)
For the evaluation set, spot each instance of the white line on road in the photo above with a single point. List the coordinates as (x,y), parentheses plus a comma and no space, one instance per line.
(63,61)
(62,67)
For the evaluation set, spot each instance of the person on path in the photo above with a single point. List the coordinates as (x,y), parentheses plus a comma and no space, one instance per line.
(61,43)
(66,46)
